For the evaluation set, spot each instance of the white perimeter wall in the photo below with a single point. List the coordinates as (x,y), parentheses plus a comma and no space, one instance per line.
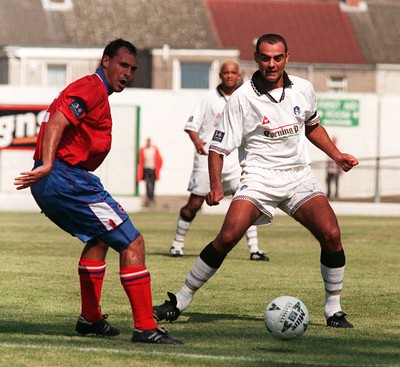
(163,115)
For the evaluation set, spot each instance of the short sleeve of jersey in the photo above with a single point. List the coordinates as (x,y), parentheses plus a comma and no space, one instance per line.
(196,119)
(312,117)
(80,97)
(228,133)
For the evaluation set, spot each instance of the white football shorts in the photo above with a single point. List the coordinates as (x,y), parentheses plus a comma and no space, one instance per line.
(271,189)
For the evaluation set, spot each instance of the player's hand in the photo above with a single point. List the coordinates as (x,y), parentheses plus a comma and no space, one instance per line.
(200,148)
(346,162)
(214,197)
(27,179)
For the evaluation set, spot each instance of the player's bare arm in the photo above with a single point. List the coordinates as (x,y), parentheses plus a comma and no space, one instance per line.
(215,163)
(198,144)
(320,138)
(52,136)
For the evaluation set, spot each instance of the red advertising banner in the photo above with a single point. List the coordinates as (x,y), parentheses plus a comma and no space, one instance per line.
(19,125)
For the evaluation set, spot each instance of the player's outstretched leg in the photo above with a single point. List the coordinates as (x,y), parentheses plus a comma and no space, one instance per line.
(204,268)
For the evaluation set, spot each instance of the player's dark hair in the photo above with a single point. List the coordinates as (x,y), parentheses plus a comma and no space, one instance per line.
(271,38)
(112,48)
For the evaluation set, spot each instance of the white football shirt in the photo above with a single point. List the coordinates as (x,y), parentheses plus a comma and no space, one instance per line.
(269,133)
(204,120)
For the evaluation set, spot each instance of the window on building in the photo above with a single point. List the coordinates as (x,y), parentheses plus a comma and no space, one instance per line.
(195,75)
(56,75)
(337,84)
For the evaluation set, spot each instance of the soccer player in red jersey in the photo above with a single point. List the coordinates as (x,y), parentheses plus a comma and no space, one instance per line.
(74,139)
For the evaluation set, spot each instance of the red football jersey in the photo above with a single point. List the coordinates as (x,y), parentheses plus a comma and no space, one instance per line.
(87,140)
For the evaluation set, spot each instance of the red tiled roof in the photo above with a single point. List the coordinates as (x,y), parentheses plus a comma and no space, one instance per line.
(316,31)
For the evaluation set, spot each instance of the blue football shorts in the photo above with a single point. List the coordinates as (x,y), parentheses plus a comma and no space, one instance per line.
(75,200)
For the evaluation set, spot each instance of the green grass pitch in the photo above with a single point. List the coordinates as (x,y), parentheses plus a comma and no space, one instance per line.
(39,297)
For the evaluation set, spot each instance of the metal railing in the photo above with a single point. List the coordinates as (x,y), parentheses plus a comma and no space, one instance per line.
(375,179)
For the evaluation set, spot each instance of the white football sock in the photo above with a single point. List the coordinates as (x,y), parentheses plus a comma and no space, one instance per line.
(181,228)
(197,276)
(332,304)
(252,239)
(333,282)
(184,297)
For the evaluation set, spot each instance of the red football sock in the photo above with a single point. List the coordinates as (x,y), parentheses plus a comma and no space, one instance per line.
(91,275)
(136,282)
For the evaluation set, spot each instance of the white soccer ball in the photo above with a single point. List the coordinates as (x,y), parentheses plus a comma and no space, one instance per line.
(286,317)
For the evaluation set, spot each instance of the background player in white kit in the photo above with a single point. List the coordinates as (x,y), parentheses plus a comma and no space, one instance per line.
(269,119)
(200,127)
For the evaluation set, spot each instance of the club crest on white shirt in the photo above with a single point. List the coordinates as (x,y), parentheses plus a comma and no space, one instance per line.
(218,136)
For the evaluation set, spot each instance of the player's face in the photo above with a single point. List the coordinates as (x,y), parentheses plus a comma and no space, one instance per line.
(120,69)
(271,60)
(229,74)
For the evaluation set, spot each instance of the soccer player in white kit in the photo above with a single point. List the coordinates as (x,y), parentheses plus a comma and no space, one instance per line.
(200,128)
(269,118)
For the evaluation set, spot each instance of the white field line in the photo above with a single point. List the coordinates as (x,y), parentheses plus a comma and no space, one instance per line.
(185,355)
